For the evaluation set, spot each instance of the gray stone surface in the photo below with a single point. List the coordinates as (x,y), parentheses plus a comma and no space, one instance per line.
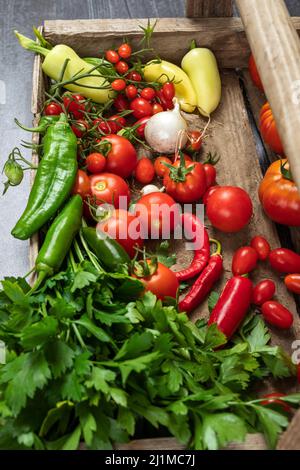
(16,70)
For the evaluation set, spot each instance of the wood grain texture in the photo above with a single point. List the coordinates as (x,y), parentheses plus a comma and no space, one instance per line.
(268,23)
(290,439)
(208,8)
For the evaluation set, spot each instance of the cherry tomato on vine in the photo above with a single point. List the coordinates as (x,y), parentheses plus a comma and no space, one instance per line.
(195,142)
(121,103)
(75,104)
(53,109)
(112,56)
(82,184)
(168,90)
(141,108)
(210,174)
(131,92)
(106,127)
(277,315)
(160,168)
(121,67)
(80,127)
(292,282)
(108,188)
(263,291)
(140,130)
(157,108)
(274,399)
(120,122)
(144,171)
(119,84)
(244,260)
(163,282)
(95,162)
(148,93)
(261,246)
(124,51)
(134,76)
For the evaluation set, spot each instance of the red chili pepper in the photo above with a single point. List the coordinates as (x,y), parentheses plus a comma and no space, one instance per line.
(285,260)
(232,305)
(274,399)
(201,256)
(204,283)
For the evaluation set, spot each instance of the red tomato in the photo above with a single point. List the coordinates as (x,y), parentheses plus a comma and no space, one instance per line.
(125,229)
(82,185)
(119,120)
(163,283)
(157,108)
(269,130)
(254,73)
(210,174)
(244,260)
(121,103)
(134,76)
(277,315)
(195,142)
(166,104)
(79,128)
(263,291)
(121,158)
(75,104)
(292,282)
(140,130)
(184,185)
(168,90)
(109,126)
(208,193)
(148,93)
(108,188)
(121,67)
(229,208)
(112,56)
(131,92)
(124,51)
(284,260)
(158,213)
(141,108)
(160,168)
(95,162)
(119,84)
(144,171)
(274,399)
(261,246)
(53,109)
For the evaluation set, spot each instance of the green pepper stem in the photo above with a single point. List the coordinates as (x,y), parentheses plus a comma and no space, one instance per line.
(31,45)
(219,246)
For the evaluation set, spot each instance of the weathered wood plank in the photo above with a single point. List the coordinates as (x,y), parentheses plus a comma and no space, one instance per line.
(208,8)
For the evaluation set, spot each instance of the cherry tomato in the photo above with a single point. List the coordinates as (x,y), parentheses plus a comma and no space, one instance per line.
(210,174)
(95,162)
(53,109)
(157,108)
(121,159)
(82,184)
(125,228)
(121,103)
(108,188)
(244,260)
(124,51)
(148,93)
(144,171)
(261,246)
(112,56)
(254,73)
(140,130)
(119,120)
(75,104)
(292,282)
(163,283)
(121,67)
(79,128)
(106,127)
(119,84)
(274,399)
(277,315)
(168,90)
(189,188)
(195,142)
(158,213)
(160,168)
(229,208)
(284,260)
(131,92)
(134,76)
(141,108)
(263,291)
(166,104)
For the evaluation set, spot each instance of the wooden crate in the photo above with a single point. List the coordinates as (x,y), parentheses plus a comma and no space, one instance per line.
(232,134)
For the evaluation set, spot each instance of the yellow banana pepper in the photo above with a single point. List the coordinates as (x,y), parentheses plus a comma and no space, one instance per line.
(92,86)
(164,71)
(201,66)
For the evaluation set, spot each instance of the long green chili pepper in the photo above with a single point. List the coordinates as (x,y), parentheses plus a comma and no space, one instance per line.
(43,125)
(53,181)
(109,252)
(58,240)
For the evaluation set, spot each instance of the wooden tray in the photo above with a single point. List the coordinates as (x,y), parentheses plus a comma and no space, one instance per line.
(233,134)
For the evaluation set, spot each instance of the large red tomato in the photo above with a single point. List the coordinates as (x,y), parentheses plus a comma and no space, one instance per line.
(121,157)
(125,228)
(158,213)
(185,181)
(268,129)
(108,188)
(229,208)
(161,281)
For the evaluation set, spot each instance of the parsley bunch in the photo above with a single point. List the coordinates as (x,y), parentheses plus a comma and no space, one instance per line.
(89,360)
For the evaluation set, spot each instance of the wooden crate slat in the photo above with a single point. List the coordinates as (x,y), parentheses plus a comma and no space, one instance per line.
(208,8)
